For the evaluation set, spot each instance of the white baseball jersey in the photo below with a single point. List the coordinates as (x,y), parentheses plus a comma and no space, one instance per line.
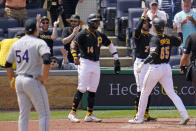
(27,52)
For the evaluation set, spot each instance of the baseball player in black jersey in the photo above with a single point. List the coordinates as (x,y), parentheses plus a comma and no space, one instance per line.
(160,71)
(189,57)
(142,38)
(89,42)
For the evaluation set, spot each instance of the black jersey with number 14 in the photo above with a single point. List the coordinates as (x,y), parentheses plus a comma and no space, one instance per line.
(90,43)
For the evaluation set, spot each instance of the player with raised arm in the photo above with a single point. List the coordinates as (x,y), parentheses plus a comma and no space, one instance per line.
(142,38)
(160,71)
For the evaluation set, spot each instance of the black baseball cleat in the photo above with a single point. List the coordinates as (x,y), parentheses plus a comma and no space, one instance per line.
(150,119)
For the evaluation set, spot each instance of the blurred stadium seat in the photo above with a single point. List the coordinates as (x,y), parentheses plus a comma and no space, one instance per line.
(1,38)
(107,10)
(175,61)
(194,4)
(121,22)
(174,50)
(133,13)
(6,23)
(1,12)
(57,51)
(34,12)
(33,4)
(2,5)
(1,32)
(59,30)
(57,42)
(13,31)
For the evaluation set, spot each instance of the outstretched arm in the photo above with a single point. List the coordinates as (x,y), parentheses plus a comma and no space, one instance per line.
(38,16)
(137,32)
(54,32)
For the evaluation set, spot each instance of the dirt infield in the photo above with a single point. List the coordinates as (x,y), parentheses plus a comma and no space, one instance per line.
(116,124)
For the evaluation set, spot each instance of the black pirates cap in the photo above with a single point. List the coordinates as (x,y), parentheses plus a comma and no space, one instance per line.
(44,18)
(30,25)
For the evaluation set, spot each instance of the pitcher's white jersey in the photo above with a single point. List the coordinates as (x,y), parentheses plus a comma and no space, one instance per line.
(27,52)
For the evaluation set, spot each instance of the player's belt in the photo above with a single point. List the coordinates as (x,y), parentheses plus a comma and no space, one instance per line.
(27,75)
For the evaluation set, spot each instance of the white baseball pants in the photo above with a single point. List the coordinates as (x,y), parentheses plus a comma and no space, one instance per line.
(30,90)
(88,75)
(139,77)
(159,73)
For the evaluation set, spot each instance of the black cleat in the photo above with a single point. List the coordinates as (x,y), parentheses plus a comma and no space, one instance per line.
(150,119)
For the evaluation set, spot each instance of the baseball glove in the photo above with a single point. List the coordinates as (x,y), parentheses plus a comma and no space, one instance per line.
(116,66)
(12,83)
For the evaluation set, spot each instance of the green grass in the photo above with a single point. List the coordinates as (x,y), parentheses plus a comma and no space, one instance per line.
(62,114)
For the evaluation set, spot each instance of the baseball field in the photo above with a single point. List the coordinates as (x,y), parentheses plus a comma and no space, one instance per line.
(113,120)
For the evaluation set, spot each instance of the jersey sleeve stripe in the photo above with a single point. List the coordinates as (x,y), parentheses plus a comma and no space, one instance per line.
(75,42)
(154,53)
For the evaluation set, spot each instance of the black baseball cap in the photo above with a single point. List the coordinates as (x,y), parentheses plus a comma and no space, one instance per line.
(19,34)
(44,18)
(74,17)
(30,26)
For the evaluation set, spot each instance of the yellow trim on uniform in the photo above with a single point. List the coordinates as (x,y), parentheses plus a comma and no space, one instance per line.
(145,33)
(74,55)
(75,58)
(91,32)
(143,18)
(153,52)
(73,51)
(180,39)
(75,42)
(160,34)
(137,37)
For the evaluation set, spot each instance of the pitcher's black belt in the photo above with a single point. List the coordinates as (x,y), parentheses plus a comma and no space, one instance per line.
(27,75)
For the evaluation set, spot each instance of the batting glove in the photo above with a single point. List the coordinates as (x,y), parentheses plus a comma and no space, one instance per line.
(116,66)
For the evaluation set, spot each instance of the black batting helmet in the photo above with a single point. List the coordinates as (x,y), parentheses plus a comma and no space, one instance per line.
(159,24)
(91,20)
